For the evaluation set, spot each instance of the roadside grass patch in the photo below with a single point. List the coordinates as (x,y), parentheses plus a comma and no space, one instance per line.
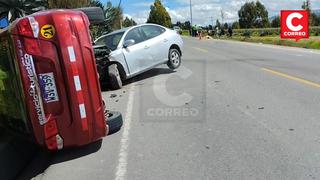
(311,43)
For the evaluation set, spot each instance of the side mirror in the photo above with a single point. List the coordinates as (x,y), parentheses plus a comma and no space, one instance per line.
(95,14)
(128,43)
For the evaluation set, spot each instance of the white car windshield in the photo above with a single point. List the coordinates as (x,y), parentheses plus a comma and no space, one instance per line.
(111,41)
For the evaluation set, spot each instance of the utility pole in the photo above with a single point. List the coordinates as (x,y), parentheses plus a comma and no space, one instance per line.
(222,17)
(212,23)
(191,23)
(191,12)
(119,8)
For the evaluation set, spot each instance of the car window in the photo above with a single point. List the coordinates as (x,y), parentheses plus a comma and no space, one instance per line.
(152,31)
(136,35)
(111,41)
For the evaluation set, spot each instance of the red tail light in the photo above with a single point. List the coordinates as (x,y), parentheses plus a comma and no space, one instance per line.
(50,129)
(28,27)
(52,139)
(52,143)
(55,142)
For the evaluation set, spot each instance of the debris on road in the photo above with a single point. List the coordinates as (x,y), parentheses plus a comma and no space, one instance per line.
(113,95)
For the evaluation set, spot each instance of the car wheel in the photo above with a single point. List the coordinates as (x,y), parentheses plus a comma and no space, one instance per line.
(174,59)
(114,121)
(114,77)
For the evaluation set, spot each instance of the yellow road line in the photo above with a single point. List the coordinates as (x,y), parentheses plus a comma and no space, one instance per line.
(300,80)
(202,50)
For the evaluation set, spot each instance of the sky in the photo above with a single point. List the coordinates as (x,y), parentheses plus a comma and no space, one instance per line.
(205,12)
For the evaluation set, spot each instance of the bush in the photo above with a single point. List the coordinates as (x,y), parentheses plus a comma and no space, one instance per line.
(246,34)
(264,33)
(314,31)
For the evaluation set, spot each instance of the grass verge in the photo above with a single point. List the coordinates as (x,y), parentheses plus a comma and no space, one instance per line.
(311,43)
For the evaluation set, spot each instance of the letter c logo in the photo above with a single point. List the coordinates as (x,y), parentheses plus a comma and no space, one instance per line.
(289,22)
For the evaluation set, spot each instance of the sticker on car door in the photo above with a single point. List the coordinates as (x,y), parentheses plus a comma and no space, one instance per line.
(48,87)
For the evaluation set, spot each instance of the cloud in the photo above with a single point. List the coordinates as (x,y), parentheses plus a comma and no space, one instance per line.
(143,4)
(140,17)
(206,11)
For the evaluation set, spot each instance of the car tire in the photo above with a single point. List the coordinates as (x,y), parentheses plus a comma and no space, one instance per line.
(114,77)
(114,121)
(174,59)
(95,14)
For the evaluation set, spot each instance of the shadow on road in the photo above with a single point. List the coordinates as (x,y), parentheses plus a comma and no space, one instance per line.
(146,75)
(149,74)
(15,154)
(44,159)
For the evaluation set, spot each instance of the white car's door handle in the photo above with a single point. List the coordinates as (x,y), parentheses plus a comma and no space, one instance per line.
(146,47)
(165,40)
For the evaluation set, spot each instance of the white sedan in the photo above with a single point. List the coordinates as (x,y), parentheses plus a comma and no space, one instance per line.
(138,49)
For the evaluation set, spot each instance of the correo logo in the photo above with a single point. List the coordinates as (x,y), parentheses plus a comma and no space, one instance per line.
(294,24)
(290,19)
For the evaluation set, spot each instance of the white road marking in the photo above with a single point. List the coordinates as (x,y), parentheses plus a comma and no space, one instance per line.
(121,170)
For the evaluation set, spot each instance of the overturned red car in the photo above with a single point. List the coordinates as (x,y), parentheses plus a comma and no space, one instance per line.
(49,85)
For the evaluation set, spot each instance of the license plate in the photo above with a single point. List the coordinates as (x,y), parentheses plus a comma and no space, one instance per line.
(48,87)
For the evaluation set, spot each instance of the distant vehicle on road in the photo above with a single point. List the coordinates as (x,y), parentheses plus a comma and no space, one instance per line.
(128,52)
(177,29)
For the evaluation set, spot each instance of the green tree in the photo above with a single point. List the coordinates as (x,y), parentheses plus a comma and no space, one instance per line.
(275,23)
(225,26)
(312,17)
(253,15)
(186,25)
(235,25)
(19,8)
(129,22)
(179,24)
(69,4)
(114,16)
(247,15)
(159,15)
(218,24)
(316,20)
(306,5)
(96,3)
(113,21)
(262,16)
(32,6)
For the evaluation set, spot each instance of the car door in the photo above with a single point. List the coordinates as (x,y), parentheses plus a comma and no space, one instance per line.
(157,42)
(138,56)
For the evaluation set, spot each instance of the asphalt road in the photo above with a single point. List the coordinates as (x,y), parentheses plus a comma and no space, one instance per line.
(232,111)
